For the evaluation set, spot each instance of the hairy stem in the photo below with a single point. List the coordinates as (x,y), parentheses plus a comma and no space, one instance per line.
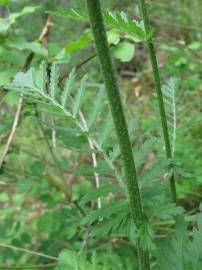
(156,76)
(114,98)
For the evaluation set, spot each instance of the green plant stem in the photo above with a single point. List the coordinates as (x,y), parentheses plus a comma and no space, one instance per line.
(114,98)
(156,76)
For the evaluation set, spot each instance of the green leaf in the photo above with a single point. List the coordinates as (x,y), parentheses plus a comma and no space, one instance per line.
(119,223)
(23,81)
(37,168)
(106,212)
(67,260)
(124,51)
(20,43)
(68,87)
(97,108)
(33,83)
(179,252)
(98,192)
(79,190)
(46,222)
(72,141)
(71,14)
(48,199)
(166,211)
(80,43)
(79,96)
(106,129)
(12,56)
(156,171)
(94,259)
(54,80)
(89,170)
(170,99)
(6,75)
(113,37)
(42,77)
(11,99)
(5,23)
(144,150)
(117,20)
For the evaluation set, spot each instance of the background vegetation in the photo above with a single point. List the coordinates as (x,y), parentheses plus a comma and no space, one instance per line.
(63,203)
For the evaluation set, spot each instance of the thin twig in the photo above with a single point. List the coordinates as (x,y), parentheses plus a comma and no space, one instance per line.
(28,251)
(30,266)
(12,132)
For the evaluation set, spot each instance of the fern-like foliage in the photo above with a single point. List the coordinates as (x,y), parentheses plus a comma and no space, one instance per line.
(181,252)
(68,101)
(70,260)
(33,84)
(117,20)
(114,216)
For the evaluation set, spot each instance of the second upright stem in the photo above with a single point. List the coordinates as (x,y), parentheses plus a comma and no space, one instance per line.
(157,80)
